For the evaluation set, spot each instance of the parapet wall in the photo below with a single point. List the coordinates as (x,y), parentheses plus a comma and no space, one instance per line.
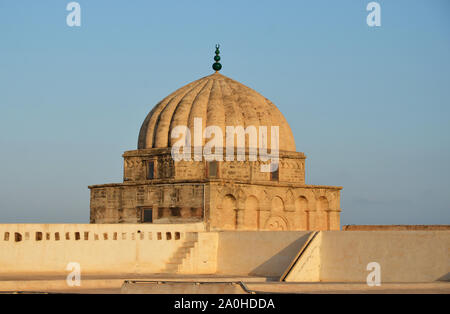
(99,249)
(258,253)
(395,227)
(330,256)
(402,256)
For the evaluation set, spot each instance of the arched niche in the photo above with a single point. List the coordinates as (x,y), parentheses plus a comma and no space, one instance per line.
(251,214)
(302,209)
(277,204)
(323,214)
(322,204)
(228,216)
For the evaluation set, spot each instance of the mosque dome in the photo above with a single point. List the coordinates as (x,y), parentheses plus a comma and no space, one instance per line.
(218,101)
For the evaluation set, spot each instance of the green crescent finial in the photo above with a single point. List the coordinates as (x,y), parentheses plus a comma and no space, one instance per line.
(217,66)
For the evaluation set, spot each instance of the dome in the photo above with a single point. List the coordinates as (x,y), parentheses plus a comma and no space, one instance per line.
(219,101)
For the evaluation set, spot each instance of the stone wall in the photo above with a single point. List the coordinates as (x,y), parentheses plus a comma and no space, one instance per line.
(403,256)
(234,206)
(223,205)
(331,256)
(101,249)
(266,254)
(136,167)
(228,195)
(170,203)
(394,227)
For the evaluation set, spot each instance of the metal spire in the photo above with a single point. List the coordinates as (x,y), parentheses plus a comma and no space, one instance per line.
(217,66)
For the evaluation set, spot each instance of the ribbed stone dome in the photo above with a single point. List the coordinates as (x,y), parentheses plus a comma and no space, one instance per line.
(219,101)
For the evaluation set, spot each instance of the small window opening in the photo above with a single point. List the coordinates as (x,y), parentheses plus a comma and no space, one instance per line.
(17,237)
(147,215)
(175,211)
(213,171)
(150,170)
(274,175)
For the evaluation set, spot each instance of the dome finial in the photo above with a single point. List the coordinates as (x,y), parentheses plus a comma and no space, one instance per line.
(217,66)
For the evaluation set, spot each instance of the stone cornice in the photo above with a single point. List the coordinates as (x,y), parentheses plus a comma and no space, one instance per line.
(150,152)
(157,182)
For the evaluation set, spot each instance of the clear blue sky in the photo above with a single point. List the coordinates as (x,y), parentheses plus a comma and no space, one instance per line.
(368,106)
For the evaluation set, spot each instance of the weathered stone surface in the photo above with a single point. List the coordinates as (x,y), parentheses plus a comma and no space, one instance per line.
(219,101)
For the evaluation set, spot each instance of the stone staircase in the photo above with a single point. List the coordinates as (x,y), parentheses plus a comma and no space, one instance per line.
(175,263)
